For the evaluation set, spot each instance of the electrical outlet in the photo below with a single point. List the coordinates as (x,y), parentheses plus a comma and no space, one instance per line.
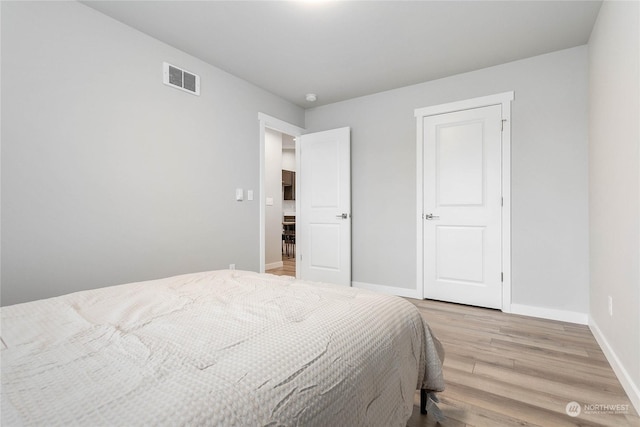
(610,306)
(232,266)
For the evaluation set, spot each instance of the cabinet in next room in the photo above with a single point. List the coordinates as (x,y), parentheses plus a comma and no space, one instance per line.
(288,185)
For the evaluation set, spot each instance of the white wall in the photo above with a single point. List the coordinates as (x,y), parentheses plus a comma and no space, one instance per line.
(614,193)
(273,189)
(549,175)
(109,176)
(289,159)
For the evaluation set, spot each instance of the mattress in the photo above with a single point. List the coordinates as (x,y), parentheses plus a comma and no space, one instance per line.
(216,348)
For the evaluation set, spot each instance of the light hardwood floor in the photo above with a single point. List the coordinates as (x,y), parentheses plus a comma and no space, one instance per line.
(505,370)
(288,268)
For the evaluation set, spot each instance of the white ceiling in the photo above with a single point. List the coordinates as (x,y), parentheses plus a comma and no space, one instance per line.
(342,50)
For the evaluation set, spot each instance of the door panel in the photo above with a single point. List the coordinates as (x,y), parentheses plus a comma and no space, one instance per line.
(324,246)
(462,191)
(323,163)
(324,224)
(459,254)
(459,164)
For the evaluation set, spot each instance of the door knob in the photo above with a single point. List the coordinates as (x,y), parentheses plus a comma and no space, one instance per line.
(343,216)
(431,216)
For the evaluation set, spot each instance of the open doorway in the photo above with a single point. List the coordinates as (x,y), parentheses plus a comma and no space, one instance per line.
(322,201)
(271,195)
(274,134)
(280,206)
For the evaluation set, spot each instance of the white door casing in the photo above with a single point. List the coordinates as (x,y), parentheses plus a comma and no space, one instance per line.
(464,202)
(323,227)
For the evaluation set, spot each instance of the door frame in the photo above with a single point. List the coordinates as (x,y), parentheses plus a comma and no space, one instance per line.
(267,121)
(504,99)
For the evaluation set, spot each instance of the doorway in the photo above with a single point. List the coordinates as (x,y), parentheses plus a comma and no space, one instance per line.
(464,202)
(322,248)
(280,209)
(278,146)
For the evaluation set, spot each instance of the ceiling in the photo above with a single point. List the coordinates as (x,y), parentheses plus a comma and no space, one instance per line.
(345,49)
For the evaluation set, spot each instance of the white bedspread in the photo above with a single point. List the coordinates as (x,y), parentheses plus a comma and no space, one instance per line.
(216,348)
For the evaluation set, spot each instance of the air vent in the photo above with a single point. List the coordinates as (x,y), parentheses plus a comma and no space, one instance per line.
(180,79)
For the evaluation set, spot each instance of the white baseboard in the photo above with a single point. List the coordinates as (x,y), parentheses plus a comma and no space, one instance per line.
(630,387)
(550,313)
(390,290)
(273,265)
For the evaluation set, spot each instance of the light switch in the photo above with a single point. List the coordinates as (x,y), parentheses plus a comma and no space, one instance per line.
(249,194)
(269,201)
(239,194)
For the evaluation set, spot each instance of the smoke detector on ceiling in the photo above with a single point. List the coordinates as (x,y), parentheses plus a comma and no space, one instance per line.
(311,97)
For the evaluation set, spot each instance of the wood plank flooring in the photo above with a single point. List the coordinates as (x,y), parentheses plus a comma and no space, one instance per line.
(505,370)
(288,268)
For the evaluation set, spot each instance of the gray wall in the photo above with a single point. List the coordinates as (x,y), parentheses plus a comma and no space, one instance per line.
(109,176)
(614,175)
(549,175)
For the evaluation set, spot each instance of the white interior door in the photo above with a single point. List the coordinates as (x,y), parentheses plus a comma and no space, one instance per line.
(462,207)
(323,227)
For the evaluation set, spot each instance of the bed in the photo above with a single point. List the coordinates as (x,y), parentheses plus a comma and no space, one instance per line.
(216,348)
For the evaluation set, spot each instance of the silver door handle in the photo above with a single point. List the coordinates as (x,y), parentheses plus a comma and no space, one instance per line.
(431,216)
(343,216)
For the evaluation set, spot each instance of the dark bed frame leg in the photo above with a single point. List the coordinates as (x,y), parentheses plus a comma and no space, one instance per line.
(423,401)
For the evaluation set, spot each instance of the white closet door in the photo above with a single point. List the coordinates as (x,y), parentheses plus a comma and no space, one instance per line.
(462,207)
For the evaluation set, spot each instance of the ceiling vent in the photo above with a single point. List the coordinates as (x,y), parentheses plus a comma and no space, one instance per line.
(180,79)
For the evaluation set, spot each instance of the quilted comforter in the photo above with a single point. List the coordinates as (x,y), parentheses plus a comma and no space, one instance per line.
(216,348)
